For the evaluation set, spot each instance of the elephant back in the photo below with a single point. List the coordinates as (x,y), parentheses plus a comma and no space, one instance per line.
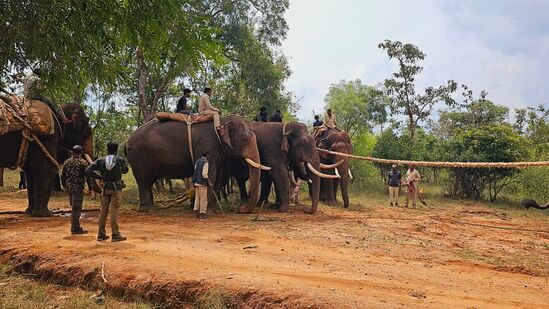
(35,113)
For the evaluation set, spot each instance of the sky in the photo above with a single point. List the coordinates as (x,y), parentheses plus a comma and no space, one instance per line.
(499,46)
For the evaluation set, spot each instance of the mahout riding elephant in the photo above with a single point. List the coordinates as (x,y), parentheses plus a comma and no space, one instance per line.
(337,141)
(285,147)
(39,170)
(161,150)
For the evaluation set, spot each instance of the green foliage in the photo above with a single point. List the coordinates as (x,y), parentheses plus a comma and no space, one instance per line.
(488,143)
(365,174)
(358,107)
(401,87)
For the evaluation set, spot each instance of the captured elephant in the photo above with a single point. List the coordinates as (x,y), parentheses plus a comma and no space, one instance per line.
(337,141)
(161,150)
(39,170)
(285,147)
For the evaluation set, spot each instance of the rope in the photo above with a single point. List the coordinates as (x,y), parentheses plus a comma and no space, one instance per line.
(40,145)
(23,149)
(442,164)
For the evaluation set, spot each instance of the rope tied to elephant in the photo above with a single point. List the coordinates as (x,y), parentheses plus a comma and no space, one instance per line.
(441,164)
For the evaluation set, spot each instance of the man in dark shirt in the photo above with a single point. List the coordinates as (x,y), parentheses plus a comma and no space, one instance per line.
(110,169)
(394,185)
(201,183)
(182,106)
(262,115)
(73,179)
(317,122)
(277,117)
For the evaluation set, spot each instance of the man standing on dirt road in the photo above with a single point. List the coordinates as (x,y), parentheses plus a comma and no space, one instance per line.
(73,179)
(412,177)
(110,170)
(394,185)
(201,183)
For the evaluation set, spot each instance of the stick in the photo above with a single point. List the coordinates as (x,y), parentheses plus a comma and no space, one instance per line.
(103,272)
(260,209)
(217,200)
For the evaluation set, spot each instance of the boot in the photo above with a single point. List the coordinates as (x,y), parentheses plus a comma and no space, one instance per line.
(202,216)
(118,237)
(78,231)
(102,237)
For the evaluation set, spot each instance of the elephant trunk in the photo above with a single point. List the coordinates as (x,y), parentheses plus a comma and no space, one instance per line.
(252,153)
(315,187)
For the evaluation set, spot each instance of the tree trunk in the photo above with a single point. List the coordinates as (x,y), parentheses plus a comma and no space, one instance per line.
(141,82)
(1,177)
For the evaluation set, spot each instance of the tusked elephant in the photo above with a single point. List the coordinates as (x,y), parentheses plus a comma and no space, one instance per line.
(337,141)
(285,147)
(39,170)
(161,150)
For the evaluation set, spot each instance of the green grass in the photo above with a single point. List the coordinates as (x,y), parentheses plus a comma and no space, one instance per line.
(18,291)
(214,299)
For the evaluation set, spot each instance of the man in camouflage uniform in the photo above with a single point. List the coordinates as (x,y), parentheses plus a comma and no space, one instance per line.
(73,178)
(110,170)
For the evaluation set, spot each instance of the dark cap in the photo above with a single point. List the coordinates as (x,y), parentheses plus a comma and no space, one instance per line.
(77,149)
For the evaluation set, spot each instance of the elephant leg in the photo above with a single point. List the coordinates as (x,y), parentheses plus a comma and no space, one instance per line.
(145,196)
(57,183)
(266,183)
(336,187)
(30,192)
(330,199)
(243,191)
(281,181)
(212,195)
(43,182)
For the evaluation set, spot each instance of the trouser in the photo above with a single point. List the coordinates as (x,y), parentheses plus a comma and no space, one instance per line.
(393,195)
(54,107)
(22,180)
(110,202)
(76,199)
(411,194)
(201,199)
(217,122)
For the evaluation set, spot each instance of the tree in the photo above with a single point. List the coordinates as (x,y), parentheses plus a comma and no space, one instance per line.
(487,143)
(358,107)
(473,113)
(402,90)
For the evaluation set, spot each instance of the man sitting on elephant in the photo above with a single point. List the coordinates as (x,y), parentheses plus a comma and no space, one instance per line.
(206,108)
(33,89)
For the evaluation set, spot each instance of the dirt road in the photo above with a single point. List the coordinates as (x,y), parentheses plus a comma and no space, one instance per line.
(455,256)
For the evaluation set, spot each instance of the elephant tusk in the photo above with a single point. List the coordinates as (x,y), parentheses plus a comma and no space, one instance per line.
(337,173)
(329,166)
(254,164)
(87,157)
(319,174)
(350,174)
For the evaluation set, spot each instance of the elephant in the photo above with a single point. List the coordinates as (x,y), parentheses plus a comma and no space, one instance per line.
(161,150)
(337,141)
(76,130)
(285,147)
(527,203)
(39,170)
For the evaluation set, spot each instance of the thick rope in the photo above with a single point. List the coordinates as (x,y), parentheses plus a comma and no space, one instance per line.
(443,164)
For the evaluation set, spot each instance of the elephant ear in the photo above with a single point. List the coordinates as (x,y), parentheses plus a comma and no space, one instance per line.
(228,127)
(324,145)
(285,145)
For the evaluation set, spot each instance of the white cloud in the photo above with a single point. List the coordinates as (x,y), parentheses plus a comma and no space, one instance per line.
(502,47)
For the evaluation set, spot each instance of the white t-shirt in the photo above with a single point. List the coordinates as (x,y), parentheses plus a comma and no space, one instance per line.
(412,176)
